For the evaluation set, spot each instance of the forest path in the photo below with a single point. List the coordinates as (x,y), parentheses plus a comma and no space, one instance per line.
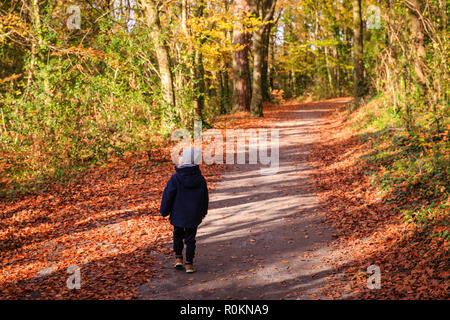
(264,236)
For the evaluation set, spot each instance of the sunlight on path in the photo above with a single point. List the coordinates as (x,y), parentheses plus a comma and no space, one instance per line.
(263,237)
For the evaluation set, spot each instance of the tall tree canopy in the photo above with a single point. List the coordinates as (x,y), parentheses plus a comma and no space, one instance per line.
(133,70)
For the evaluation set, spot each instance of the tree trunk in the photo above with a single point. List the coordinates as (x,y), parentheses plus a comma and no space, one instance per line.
(417,34)
(328,68)
(241,70)
(162,51)
(225,88)
(271,66)
(337,71)
(199,77)
(265,69)
(199,86)
(264,9)
(358,49)
(256,105)
(184,9)
(222,108)
(37,47)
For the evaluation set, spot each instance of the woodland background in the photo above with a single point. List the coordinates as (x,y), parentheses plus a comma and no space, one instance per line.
(72,99)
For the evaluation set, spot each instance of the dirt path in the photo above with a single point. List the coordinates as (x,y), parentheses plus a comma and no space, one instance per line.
(263,237)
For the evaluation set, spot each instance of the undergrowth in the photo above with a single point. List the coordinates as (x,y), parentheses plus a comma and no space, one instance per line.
(412,169)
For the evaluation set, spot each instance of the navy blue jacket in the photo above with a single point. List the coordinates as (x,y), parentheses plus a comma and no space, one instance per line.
(185,198)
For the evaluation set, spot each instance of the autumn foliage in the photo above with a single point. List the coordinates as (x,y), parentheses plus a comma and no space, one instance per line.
(371,226)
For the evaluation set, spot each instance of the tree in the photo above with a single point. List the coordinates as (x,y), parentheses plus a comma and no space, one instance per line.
(418,37)
(198,73)
(38,47)
(265,68)
(241,68)
(264,10)
(162,51)
(358,49)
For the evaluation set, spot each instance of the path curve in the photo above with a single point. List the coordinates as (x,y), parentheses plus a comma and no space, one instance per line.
(264,236)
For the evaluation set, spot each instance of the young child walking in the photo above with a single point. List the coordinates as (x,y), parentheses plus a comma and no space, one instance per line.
(185,199)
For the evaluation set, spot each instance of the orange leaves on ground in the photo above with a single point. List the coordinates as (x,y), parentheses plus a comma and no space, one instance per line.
(107,223)
(370,229)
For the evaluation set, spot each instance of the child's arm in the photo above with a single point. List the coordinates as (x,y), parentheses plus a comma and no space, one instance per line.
(205,200)
(168,197)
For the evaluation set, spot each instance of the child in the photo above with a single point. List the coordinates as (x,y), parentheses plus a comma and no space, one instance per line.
(185,198)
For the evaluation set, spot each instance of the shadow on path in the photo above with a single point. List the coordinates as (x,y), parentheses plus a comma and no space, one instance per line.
(264,236)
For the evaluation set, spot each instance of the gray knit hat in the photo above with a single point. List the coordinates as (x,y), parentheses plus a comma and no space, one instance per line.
(191,156)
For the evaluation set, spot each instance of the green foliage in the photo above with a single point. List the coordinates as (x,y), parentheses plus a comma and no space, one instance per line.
(101,104)
(315,55)
(71,99)
(408,120)
(412,169)
(433,218)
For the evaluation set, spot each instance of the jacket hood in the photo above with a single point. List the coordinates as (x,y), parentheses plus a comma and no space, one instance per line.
(189,177)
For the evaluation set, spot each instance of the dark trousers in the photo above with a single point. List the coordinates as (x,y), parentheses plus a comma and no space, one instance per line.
(188,235)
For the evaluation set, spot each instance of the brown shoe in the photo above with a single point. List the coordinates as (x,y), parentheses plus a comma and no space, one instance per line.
(190,268)
(179,263)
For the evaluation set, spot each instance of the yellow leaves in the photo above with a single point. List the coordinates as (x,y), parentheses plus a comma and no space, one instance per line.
(214,33)
(12,25)
(81,52)
(214,23)
(11,78)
